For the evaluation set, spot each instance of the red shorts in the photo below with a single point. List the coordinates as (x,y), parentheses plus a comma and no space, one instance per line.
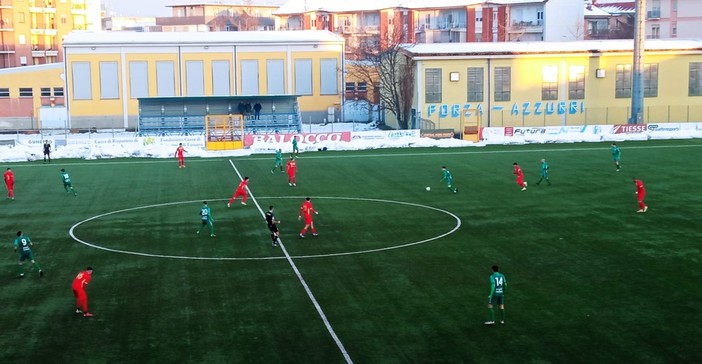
(308,219)
(238,193)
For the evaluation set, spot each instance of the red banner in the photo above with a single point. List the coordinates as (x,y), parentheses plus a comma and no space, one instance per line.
(629,129)
(304,138)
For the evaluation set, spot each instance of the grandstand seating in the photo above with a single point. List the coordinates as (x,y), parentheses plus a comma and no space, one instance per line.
(164,116)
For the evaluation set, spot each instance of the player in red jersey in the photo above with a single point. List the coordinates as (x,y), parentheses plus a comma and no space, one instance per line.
(79,283)
(306,211)
(179,154)
(9,178)
(520,176)
(640,195)
(291,168)
(240,191)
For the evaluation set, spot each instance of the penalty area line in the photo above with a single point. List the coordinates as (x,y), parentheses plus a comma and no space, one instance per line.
(316,304)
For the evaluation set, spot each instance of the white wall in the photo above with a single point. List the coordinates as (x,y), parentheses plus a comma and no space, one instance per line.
(564,20)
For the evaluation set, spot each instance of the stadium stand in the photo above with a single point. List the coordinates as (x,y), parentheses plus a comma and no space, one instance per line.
(165,116)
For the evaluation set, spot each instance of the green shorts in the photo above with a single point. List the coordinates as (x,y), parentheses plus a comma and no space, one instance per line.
(26,256)
(496,299)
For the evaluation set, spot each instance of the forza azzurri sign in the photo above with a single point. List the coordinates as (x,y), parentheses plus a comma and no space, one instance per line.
(524,108)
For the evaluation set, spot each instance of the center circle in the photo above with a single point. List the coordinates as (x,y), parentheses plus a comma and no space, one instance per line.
(366,251)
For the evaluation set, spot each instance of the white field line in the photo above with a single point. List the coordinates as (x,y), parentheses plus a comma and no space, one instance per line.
(338,342)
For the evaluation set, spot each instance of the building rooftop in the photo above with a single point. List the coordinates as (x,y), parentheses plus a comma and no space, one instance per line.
(337,6)
(451,50)
(617,6)
(255,3)
(82,39)
(594,11)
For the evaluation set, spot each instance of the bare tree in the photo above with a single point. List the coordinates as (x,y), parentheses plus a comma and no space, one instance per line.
(387,71)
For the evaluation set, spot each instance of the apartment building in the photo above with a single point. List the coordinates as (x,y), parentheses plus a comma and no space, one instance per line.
(440,21)
(31,30)
(610,19)
(673,19)
(232,15)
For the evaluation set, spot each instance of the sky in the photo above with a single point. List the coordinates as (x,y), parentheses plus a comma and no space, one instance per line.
(138,7)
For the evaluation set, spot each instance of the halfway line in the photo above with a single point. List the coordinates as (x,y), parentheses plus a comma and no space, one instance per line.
(301,279)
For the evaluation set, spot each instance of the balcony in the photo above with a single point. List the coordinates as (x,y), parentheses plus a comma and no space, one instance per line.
(79,9)
(181,20)
(529,26)
(6,4)
(653,14)
(39,51)
(6,25)
(4,49)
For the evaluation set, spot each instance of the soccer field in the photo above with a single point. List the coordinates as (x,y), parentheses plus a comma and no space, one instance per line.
(397,274)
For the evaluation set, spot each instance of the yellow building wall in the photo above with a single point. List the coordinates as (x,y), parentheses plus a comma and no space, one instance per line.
(526,107)
(97,105)
(36,79)
(317,101)
(261,58)
(207,59)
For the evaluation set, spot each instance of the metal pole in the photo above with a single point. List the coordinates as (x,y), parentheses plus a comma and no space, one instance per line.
(637,97)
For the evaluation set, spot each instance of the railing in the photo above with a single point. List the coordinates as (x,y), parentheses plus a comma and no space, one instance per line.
(5,24)
(7,48)
(6,3)
(653,14)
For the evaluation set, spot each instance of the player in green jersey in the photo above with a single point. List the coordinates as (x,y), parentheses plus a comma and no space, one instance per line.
(616,155)
(448,178)
(498,283)
(23,246)
(544,172)
(278,160)
(207,220)
(67,184)
(295,149)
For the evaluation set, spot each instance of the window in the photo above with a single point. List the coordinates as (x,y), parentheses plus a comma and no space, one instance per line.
(432,85)
(82,82)
(165,78)
(674,30)
(328,77)
(195,78)
(20,17)
(64,20)
(549,83)
(350,86)
(650,80)
(362,86)
(303,76)
(45,91)
(623,81)
(109,80)
(4,92)
(576,83)
(25,92)
(695,81)
(275,76)
(503,83)
(655,31)
(221,78)
(475,84)
(22,39)
(249,77)
(58,91)
(138,79)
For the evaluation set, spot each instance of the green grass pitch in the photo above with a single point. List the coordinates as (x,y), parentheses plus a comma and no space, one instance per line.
(401,274)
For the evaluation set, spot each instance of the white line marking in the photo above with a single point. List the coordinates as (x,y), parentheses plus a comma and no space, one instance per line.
(302,280)
(93,245)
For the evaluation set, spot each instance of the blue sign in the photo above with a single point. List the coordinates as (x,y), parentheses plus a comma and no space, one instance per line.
(525,108)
